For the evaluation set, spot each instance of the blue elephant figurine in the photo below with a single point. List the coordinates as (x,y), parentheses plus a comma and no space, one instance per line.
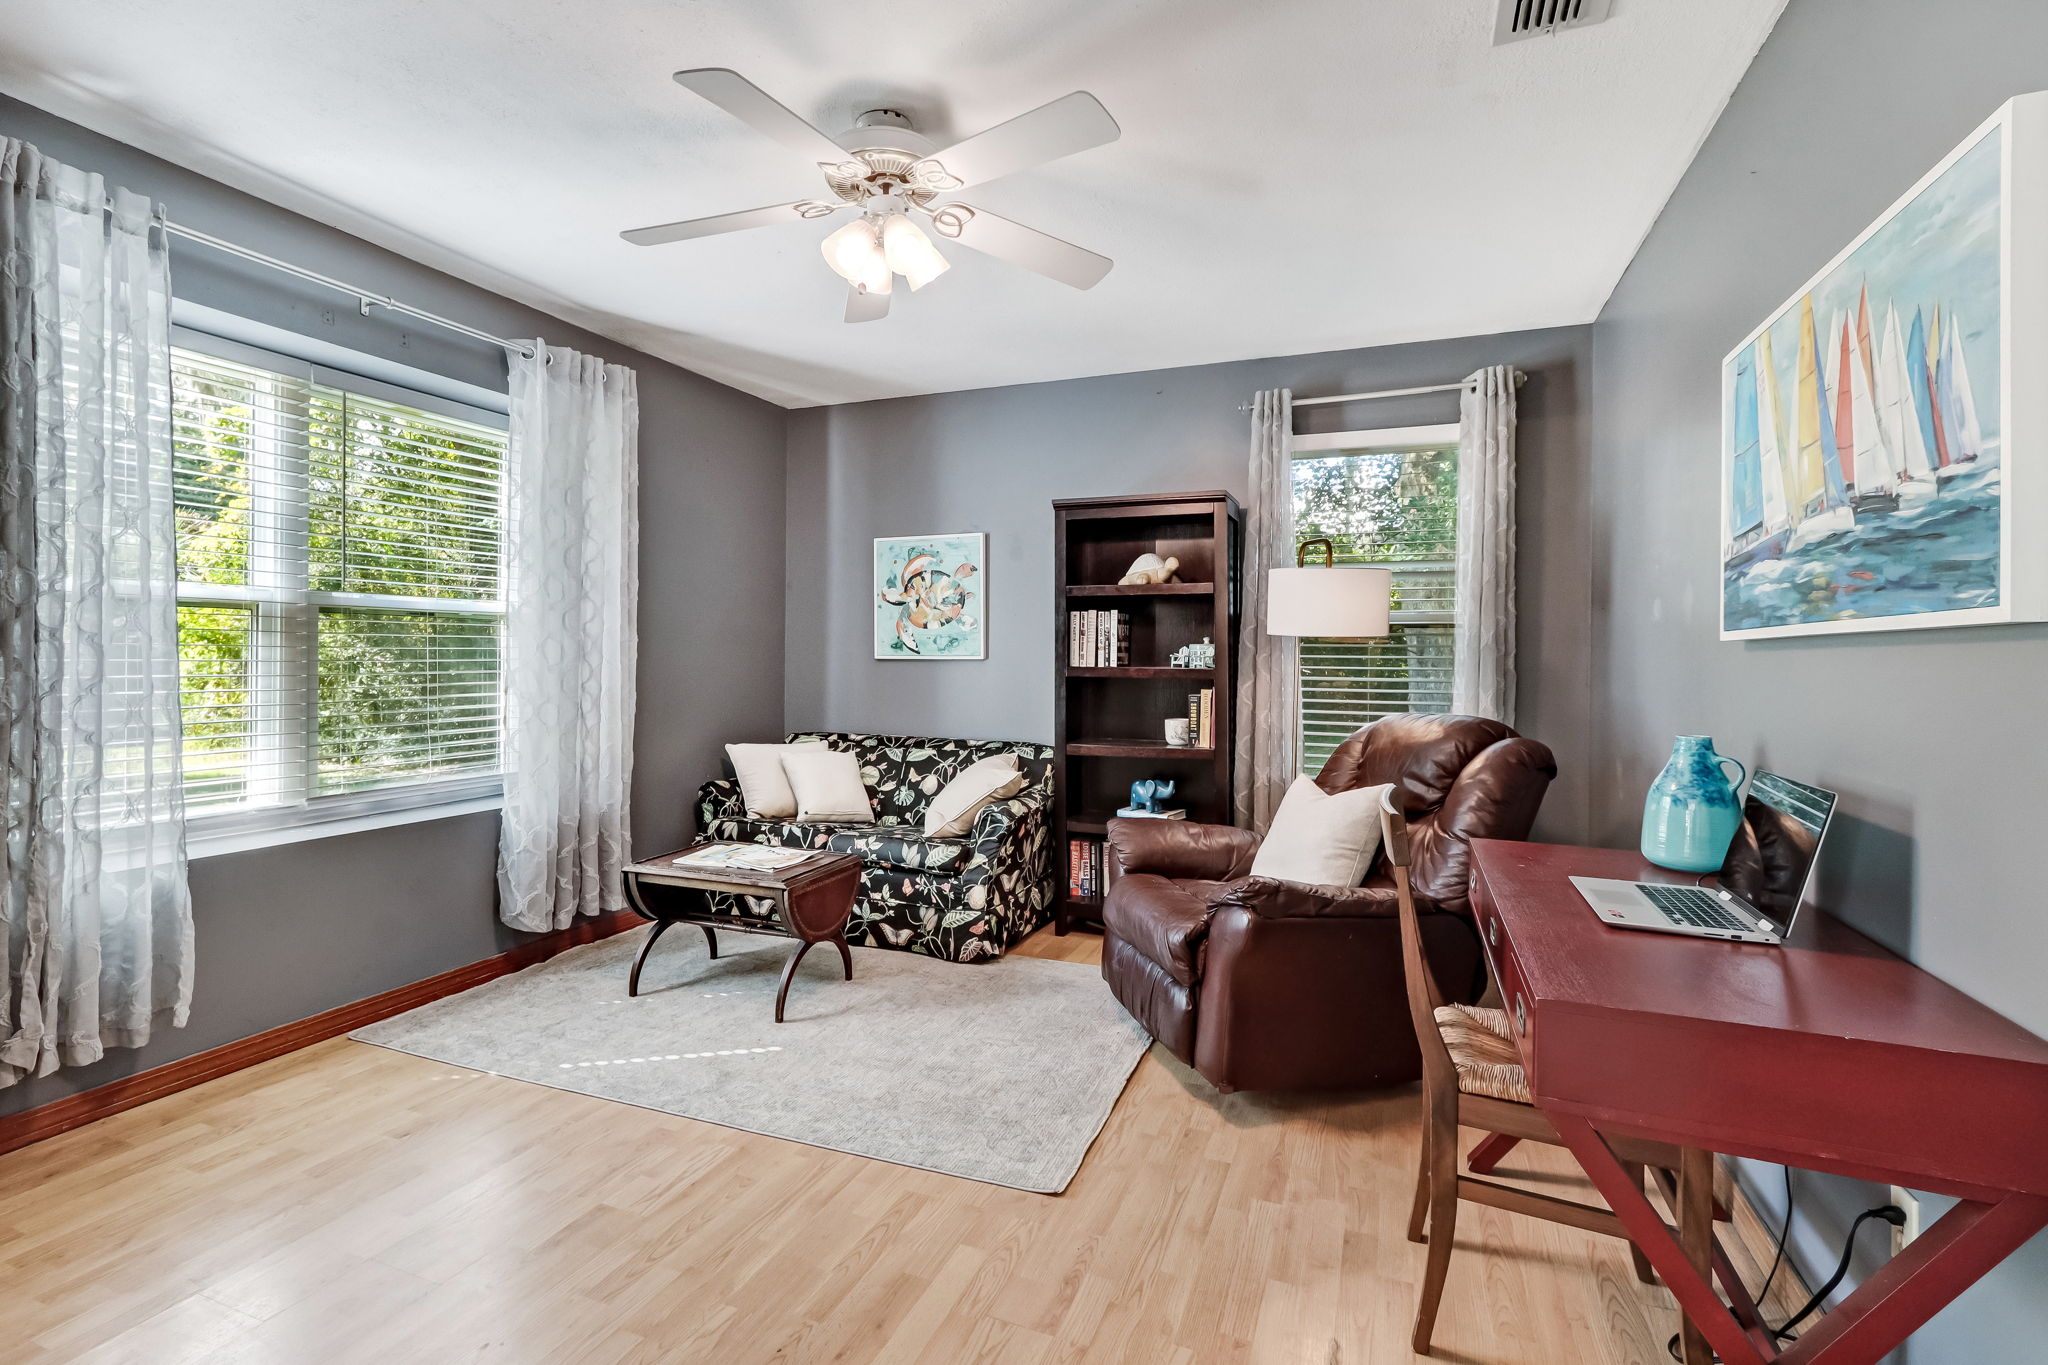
(1141,795)
(1162,791)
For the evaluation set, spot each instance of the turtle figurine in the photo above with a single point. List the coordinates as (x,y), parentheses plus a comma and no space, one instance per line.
(1150,568)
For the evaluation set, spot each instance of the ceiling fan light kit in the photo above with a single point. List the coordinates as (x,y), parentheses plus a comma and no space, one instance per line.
(887,170)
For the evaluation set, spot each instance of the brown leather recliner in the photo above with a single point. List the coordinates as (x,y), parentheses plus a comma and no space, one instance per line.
(1268,985)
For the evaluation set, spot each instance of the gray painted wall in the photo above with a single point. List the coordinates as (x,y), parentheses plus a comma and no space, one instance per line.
(994,459)
(287,932)
(1849,102)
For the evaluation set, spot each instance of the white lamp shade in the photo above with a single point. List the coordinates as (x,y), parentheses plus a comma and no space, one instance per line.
(1346,603)
(855,253)
(910,253)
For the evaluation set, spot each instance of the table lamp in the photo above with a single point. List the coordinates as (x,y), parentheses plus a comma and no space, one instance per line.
(1328,602)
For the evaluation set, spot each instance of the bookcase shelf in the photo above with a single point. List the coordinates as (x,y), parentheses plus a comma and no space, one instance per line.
(1140,589)
(1108,722)
(1198,675)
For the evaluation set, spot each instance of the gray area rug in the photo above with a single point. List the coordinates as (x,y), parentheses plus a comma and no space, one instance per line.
(1002,1072)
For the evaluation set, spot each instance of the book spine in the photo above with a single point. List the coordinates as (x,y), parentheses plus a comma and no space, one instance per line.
(1073,639)
(1208,740)
(1123,640)
(1194,717)
(1088,647)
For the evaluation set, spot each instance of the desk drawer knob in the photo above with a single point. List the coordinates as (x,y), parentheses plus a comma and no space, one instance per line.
(1521,1015)
(1493,932)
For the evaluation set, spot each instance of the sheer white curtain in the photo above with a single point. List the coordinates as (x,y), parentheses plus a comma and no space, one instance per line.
(1267,754)
(97,916)
(1484,681)
(572,580)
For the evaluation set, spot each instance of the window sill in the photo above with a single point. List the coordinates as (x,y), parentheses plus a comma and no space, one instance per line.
(210,837)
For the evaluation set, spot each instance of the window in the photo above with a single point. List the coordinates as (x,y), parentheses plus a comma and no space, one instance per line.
(1387,498)
(339,561)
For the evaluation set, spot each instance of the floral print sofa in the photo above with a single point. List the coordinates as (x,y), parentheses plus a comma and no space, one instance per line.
(964,900)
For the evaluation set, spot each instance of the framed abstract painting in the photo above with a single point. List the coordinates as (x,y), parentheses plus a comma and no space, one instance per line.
(929,596)
(1880,470)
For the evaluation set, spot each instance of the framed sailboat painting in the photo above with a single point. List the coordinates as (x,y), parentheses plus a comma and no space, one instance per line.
(1880,470)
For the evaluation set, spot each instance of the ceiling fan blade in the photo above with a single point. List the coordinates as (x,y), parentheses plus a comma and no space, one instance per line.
(759,110)
(731,222)
(1020,245)
(865,307)
(1071,123)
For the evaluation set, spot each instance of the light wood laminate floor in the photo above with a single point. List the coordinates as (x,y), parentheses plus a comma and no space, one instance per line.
(350,1204)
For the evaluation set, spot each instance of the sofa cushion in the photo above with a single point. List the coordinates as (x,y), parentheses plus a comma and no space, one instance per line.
(1163,919)
(900,846)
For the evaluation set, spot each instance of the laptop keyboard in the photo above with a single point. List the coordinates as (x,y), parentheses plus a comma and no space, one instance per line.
(1691,906)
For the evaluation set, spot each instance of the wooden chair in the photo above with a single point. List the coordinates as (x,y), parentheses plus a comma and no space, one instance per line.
(1472,1075)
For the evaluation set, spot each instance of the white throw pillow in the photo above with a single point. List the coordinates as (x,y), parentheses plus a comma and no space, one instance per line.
(951,813)
(1321,839)
(827,784)
(762,784)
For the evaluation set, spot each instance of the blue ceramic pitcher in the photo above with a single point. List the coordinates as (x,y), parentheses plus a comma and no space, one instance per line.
(1692,812)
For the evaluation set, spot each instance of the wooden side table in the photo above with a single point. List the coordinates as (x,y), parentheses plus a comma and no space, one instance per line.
(813,900)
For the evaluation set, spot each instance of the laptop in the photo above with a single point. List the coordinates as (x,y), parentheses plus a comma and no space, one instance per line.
(1769,866)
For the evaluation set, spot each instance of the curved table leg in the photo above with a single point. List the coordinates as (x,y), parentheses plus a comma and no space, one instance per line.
(788,975)
(633,981)
(710,940)
(845,956)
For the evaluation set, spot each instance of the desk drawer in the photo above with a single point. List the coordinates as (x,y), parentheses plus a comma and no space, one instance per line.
(1499,947)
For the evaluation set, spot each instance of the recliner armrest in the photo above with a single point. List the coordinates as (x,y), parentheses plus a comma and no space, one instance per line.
(1179,848)
(1271,899)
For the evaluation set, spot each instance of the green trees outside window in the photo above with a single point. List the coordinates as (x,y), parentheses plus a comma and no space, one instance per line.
(339,557)
(1396,508)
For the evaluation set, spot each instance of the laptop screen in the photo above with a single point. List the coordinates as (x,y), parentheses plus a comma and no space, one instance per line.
(1772,858)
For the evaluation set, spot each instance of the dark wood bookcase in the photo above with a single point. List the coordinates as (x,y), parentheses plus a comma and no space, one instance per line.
(1108,723)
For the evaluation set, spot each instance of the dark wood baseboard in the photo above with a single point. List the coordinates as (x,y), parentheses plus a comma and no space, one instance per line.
(60,1116)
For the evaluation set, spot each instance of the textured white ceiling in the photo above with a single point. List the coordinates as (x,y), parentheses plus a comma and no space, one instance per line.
(1293,176)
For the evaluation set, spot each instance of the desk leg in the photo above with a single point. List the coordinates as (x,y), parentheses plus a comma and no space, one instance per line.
(1964,1244)
(1675,1264)
(1695,1210)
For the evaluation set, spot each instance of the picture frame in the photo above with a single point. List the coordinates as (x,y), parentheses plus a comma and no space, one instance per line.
(1879,468)
(928,597)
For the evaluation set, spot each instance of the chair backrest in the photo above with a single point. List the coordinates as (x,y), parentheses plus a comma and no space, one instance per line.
(1458,778)
(1423,998)
(902,773)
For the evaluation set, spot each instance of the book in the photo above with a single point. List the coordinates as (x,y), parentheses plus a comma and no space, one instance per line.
(1205,732)
(1073,639)
(745,857)
(1134,813)
(1123,639)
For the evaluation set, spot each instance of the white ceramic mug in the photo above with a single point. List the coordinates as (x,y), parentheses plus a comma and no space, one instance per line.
(1177,732)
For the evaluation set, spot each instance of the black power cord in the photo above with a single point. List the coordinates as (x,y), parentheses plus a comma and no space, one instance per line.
(1886,1213)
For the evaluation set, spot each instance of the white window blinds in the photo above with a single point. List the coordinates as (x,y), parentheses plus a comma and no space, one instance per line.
(1396,508)
(339,552)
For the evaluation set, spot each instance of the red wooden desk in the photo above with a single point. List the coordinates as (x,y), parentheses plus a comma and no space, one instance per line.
(1829,1053)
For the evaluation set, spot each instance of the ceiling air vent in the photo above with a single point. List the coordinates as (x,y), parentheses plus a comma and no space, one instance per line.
(1519,19)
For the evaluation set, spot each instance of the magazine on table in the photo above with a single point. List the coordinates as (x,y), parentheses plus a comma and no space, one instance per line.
(745,857)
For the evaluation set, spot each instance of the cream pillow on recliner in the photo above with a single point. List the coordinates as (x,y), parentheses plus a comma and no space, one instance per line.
(1322,839)
(952,812)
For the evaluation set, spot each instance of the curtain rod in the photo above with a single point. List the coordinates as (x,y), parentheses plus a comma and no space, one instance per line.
(1381,393)
(365,299)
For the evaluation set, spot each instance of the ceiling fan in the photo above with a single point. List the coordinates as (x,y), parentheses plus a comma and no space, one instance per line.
(885,169)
